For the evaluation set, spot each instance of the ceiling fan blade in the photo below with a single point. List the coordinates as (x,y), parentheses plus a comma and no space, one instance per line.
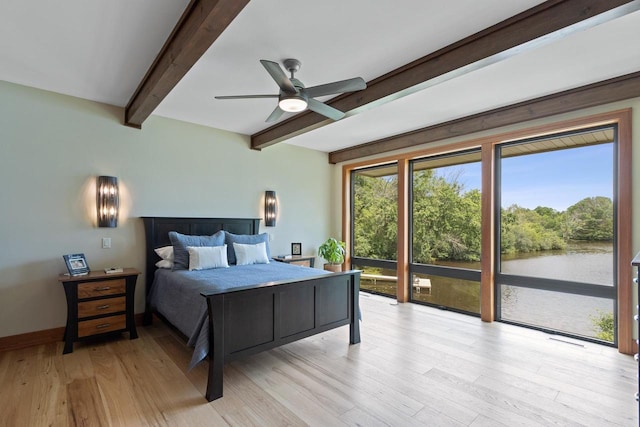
(324,109)
(275,114)
(349,85)
(245,96)
(273,68)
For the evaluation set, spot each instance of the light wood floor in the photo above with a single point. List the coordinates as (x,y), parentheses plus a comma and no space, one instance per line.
(415,366)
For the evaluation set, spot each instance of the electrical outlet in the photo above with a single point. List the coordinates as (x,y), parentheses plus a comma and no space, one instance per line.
(106,243)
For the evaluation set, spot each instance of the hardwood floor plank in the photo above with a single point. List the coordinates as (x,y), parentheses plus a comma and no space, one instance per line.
(242,397)
(483,421)
(157,381)
(377,401)
(85,403)
(507,410)
(118,393)
(49,402)
(415,366)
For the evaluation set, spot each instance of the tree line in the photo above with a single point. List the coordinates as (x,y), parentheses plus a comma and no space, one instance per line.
(447,223)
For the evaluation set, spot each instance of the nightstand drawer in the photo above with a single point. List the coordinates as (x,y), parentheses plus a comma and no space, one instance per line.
(101,306)
(101,288)
(305,263)
(101,325)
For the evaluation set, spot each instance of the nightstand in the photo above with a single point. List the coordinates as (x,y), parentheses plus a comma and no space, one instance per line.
(306,261)
(99,304)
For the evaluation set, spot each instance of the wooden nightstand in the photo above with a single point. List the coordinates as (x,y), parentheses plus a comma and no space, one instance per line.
(306,261)
(99,304)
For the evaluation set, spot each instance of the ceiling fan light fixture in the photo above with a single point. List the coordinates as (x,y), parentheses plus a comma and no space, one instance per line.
(292,103)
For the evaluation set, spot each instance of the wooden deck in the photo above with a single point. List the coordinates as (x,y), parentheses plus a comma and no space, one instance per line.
(415,366)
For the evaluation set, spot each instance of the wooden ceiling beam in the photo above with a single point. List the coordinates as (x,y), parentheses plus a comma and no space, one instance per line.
(200,25)
(605,92)
(551,20)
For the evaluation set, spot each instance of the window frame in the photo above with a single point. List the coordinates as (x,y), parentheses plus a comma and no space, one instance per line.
(623,270)
(549,284)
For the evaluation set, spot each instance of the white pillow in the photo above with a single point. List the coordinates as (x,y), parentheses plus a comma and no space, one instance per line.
(251,254)
(165,252)
(163,263)
(207,257)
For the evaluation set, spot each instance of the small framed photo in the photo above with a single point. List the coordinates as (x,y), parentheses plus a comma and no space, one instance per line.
(296,249)
(76,264)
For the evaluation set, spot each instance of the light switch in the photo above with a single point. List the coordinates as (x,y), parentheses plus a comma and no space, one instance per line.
(106,243)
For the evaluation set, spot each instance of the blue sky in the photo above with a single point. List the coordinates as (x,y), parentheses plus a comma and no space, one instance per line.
(558,179)
(555,179)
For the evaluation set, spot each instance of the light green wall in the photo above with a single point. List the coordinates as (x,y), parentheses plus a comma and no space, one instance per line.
(53,146)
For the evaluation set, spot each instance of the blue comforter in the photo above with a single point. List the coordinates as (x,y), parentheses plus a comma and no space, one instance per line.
(176,295)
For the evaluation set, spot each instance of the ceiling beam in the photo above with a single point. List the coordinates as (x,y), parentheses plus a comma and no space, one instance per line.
(612,90)
(547,22)
(200,25)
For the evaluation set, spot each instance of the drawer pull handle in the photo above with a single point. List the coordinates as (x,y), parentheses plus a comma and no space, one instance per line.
(103,288)
(102,307)
(104,325)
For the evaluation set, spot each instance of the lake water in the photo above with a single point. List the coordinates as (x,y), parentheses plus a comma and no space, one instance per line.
(582,262)
(574,314)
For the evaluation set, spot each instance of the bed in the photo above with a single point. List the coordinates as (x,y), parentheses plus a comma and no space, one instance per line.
(230,318)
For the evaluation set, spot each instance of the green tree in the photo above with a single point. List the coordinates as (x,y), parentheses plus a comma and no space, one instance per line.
(375,216)
(526,230)
(446,219)
(603,325)
(591,219)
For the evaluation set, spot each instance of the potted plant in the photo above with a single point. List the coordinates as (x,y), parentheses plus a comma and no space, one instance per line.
(333,251)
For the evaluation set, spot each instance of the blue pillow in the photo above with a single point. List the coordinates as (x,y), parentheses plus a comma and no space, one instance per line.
(181,241)
(245,239)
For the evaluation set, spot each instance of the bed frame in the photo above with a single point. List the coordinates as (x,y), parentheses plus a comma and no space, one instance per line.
(255,318)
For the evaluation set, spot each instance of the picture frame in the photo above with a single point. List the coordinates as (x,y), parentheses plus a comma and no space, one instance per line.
(76,264)
(296,249)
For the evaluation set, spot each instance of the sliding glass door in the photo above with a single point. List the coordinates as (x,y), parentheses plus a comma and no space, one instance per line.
(556,232)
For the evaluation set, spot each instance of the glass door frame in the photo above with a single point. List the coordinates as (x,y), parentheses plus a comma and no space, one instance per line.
(547,284)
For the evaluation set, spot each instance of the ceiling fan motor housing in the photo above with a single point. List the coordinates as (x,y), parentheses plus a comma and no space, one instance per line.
(292,65)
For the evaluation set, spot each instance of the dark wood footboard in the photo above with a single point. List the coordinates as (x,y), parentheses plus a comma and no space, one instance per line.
(262,317)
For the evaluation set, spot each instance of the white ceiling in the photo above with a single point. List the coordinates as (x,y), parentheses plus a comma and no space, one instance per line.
(100,50)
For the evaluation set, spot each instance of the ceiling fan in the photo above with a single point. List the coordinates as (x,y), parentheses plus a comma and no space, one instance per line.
(294,97)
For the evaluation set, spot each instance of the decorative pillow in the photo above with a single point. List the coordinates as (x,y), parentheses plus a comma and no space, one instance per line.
(180,243)
(165,252)
(245,239)
(163,263)
(207,257)
(251,254)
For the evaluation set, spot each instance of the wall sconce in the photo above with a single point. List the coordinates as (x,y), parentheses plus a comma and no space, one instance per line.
(107,201)
(270,208)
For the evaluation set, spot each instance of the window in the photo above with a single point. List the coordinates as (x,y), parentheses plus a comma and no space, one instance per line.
(528,241)
(375,228)
(445,231)
(557,233)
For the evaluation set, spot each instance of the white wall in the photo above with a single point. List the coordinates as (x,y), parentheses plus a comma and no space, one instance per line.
(52,148)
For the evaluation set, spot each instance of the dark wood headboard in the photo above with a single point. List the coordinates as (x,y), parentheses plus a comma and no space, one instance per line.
(157,234)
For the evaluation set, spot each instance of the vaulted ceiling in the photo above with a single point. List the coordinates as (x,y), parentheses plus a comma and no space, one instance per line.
(434,69)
